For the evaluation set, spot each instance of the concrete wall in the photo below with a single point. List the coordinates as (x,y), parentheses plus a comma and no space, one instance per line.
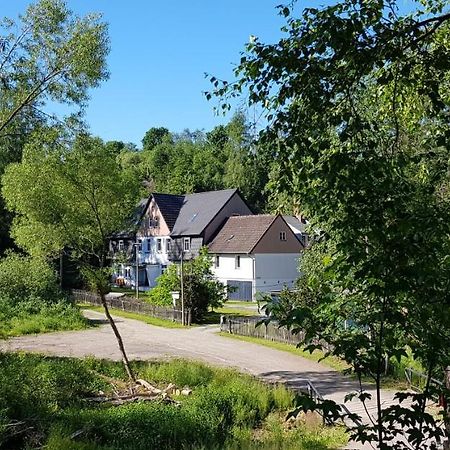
(274,271)
(234,206)
(227,270)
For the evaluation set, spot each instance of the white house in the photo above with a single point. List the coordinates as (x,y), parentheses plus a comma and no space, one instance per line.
(254,254)
(169,228)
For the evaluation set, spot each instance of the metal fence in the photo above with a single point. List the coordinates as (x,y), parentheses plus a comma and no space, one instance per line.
(131,305)
(417,382)
(248,326)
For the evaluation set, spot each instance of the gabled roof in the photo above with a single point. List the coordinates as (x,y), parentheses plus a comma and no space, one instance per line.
(240,234)
(198,210)
(169,206)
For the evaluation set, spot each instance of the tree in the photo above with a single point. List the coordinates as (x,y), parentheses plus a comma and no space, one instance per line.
(73,197)
(200,289)
(49,54)
(357,98)
(155,136)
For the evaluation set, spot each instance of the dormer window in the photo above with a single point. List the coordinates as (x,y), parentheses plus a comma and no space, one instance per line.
(282,235)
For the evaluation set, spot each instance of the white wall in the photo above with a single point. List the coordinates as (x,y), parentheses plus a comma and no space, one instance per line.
(152,256)
(275,270)
(227,270)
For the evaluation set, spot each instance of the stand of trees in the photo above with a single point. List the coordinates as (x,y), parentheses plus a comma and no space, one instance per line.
(357,99)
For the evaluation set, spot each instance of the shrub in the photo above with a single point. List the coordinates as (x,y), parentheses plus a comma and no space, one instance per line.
(23,277)
(201,289)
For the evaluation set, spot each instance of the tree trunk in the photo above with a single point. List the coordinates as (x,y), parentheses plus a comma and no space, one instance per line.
(447,410)
(125,360)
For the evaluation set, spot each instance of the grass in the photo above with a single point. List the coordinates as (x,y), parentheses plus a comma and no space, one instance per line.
(126,291)
(43,405)
(156,321)
(317,355)
(395,381)
(38,316)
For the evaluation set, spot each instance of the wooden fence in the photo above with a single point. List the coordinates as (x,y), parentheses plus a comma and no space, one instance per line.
(131,305)
(248,326)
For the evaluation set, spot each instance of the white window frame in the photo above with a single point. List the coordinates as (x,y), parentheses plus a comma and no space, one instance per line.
(237,262)
(159,247)
(149,245)
(121,246)
(217,261)
(186,248)
(168,245)
(283,236)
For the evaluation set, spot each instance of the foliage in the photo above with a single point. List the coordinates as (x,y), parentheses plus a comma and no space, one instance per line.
(23,277)
(70,196)
(34,315)
(49,55)
(357,98)
(200,288)
(47,394)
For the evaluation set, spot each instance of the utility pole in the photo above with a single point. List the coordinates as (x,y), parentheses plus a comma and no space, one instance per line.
(182,287)
(136,244)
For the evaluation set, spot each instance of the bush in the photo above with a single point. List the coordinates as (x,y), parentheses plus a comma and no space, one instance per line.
(35,315)
(23,277)
(201,289)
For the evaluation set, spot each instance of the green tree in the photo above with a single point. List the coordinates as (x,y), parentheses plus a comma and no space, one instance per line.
(200,288)
(71,197)
(155,136)
(49,54)
(357,98)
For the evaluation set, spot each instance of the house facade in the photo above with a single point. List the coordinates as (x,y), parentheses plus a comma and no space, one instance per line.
(171,228)
(255,254)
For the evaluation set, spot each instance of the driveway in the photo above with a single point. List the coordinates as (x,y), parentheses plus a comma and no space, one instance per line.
(144,341)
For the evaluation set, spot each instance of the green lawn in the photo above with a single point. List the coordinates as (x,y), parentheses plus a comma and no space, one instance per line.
(130,315)
(317,355)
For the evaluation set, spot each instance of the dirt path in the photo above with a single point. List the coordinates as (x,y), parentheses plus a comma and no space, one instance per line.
(144,341)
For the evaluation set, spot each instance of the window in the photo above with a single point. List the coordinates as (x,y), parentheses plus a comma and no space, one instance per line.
(282,235)
(237,262)
(120,246)
(158,245)
(163,268)
(186,244)
(217,261)
(149,245)
(168,245)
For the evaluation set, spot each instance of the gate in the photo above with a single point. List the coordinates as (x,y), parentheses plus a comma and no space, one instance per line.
(240,290)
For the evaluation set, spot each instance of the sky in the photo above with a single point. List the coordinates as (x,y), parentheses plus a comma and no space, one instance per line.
(160,51)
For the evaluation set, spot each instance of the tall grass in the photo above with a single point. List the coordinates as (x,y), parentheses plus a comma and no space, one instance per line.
(226,410)
(38,316)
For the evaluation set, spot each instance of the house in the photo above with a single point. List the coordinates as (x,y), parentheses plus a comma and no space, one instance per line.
(255,253)
(174,227)
(298,225)
(200,218)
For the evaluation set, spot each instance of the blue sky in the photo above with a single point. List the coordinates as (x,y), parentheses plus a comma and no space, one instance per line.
(160,51)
